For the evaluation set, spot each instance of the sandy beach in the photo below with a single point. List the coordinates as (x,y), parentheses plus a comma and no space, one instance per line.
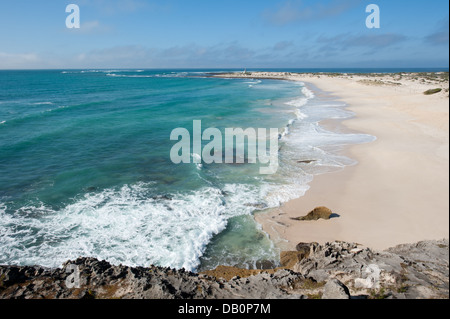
(398,191)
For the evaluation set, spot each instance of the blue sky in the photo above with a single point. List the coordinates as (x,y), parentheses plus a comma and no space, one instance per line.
(223,34)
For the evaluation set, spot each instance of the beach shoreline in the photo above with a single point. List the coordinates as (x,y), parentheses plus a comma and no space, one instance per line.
(398,191)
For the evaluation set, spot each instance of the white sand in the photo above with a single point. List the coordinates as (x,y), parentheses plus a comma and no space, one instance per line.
(399,191)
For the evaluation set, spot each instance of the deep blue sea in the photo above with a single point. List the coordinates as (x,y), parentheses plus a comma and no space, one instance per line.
(85,166)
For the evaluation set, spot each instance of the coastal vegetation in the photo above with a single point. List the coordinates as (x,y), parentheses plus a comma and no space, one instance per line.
(432,91)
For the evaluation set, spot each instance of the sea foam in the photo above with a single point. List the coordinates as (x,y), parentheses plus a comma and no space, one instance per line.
(125,225)
(172,221)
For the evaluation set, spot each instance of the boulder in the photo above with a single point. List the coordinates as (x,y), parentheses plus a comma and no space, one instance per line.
(289,259)
(307,248)
(306,161)
(334,289)
(316,214)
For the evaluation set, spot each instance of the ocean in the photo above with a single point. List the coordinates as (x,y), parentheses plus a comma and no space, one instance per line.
(85,166)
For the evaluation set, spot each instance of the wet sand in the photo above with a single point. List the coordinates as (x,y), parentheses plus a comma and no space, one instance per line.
(399,190)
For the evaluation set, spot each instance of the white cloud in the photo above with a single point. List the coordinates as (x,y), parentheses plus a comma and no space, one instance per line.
(90,27)
(18,60)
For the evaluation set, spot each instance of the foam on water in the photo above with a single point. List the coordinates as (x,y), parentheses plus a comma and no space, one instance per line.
(306,96)
(300,115)
(126,225)
(141,224)
(102,71)
(43,103)
(196,159)
(309,149)
(130,76)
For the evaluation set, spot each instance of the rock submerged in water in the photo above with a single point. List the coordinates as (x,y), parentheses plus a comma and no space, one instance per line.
(316,214)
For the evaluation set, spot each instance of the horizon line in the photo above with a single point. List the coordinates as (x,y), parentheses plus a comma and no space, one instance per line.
(225,68)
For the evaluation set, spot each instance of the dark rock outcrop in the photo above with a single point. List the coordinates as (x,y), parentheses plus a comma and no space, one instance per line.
(337,270)
(99,279)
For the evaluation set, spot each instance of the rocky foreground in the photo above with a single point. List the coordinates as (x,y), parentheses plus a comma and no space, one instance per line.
(335,270)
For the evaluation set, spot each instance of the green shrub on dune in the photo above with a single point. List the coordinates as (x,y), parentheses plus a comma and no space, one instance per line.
(432,91)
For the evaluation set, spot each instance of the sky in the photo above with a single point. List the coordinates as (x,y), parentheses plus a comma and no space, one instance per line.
(223,34)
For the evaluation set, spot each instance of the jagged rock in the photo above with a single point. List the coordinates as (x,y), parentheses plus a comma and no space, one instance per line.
(316,214)
(334,289)
(306,248)
(99,279)
(412,271)
(289,259)
(228,272)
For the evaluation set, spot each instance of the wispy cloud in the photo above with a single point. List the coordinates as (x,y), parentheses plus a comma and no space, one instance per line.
(283,45)
(379,41)
(90,27)
(190,55)
(304,10)
(225,54)
(18,60)
(114,7)
(126,56)
(440,36)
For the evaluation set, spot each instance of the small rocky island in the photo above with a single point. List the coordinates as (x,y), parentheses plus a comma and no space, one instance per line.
(336,270)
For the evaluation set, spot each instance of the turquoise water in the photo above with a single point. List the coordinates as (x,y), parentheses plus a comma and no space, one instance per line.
(85,167)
